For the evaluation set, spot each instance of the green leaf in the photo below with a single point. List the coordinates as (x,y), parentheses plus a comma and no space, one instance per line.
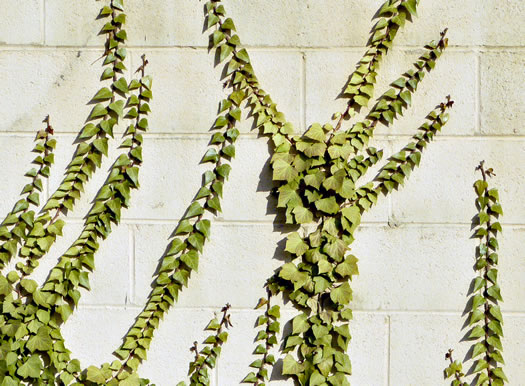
(133,174)
(29,285)
(96,375)
(495,311)
(117,107)
(194,210)
(300,324)
(291,366)
(479,348)
(295,244)
(31,368)
(225,51)
(410,6)
(283,171)
(101,144)
(121,85)
(191,259)
(342,294)
(103,94)
(316,133)
(303,215)
(203,226)
(250,378)
(98,111)
(41,341)
(328,205)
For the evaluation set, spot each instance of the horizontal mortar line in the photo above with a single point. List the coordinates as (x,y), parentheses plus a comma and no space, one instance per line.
(364,224)
(290,309)
(298,48)
(252,136)
(428,312)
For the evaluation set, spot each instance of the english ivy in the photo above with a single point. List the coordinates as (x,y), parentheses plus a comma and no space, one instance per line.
(485,318)
(318,182)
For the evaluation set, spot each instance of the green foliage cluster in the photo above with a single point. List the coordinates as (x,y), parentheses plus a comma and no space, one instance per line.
(318,178)
(32,349)
(485,318)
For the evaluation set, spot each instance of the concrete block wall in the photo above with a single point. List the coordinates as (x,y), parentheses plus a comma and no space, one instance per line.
(415,250)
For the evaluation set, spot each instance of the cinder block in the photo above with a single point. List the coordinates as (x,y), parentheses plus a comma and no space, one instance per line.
(169,178)
(441,190)
(60,83)
(418,344)
(367,349)
(502,99)
(187,90)
(235,264)
(93,333)
(73,23)
(21,22)
(166,23)
(455,74)
(463,19)
(502,23)
(404,269)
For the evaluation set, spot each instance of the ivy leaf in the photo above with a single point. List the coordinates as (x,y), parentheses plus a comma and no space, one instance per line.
(495,311)
(98,111)
(96,375)
(31,368)
(291,366)
(300,324)
(410,6)
(479,348)
(103,94)
(41,341)
(328,205)
(117,107)
(303,215)
(342,294)
(191,259)
(283,171)
(194,210)
(250,378)
(296,245)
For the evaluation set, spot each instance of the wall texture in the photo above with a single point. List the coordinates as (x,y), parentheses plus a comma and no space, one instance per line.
(415,253)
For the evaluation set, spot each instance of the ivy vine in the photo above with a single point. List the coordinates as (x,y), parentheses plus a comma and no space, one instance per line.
(485,318)
(319,183)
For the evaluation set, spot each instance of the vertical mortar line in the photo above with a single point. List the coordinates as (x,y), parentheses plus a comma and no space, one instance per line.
(131,230)
(478,92)
(388,332)
(303,92)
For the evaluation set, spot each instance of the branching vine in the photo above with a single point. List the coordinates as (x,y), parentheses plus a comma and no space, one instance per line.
(318,178)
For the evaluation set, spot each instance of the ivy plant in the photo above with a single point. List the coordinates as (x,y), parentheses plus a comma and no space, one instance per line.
(485,318)
(322,187)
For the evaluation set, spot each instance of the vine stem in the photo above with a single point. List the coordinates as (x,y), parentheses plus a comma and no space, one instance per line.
(485,277)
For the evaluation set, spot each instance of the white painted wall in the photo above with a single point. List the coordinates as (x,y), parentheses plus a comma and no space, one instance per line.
(415,254)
